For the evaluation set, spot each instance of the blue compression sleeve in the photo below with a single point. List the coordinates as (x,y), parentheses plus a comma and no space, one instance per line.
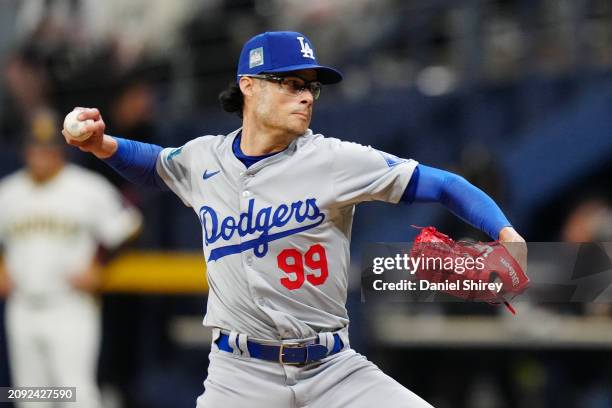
(135,161)
(463,199)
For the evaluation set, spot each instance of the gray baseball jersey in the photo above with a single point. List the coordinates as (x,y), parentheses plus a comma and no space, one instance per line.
(276,236)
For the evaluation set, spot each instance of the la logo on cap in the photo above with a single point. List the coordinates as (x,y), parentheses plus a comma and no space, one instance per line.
(307,52)
(282,51)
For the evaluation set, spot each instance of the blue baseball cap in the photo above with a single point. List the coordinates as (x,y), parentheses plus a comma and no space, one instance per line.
(282,51)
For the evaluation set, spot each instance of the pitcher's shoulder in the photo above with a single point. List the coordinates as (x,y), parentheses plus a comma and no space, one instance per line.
(318,140)
(334,143)
(209,142)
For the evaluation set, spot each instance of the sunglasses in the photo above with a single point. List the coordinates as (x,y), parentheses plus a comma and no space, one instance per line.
(292,86)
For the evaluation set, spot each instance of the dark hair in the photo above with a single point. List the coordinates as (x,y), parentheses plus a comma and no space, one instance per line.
(232,99)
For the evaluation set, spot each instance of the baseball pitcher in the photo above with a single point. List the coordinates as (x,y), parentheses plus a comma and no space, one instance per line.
(276,201)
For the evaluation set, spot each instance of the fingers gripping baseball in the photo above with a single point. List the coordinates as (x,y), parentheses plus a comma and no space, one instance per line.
(84,128)
(89,130)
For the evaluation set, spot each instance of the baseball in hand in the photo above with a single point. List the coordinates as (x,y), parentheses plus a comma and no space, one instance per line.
(76,127)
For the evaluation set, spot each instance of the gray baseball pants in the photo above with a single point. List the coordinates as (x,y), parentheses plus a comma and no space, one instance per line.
(345,379)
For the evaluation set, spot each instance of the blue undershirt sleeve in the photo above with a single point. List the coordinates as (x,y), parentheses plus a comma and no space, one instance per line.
(463,199)
(136,162)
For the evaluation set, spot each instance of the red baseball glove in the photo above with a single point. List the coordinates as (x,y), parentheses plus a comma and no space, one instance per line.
(483,271)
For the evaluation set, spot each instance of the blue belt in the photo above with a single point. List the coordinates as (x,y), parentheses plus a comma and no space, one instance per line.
(288,353)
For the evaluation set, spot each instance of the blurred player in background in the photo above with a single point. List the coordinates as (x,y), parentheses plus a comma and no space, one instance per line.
(55,217)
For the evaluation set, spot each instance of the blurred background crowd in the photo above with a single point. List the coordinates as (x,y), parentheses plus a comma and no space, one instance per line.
(515,95)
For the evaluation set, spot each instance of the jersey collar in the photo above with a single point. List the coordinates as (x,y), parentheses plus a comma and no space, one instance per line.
(288,152)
